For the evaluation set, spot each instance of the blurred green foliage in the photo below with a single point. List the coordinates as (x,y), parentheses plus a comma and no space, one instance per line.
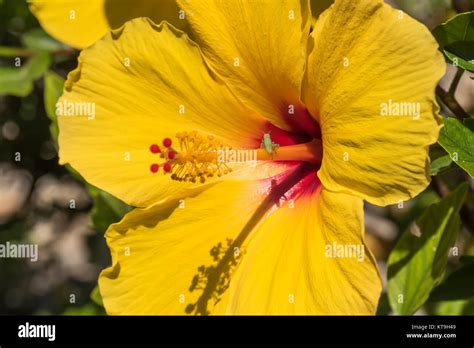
(33,68)
(53,88)
(19,81)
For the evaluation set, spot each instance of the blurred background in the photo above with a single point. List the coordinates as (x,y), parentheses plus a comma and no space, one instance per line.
(50,205)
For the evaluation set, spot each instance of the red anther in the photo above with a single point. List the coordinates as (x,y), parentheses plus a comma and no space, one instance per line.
(167,142)
(167,167)
(154,168)
(171,155)
(155,148)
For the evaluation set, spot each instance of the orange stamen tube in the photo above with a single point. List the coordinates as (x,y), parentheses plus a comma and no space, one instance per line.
(308,152)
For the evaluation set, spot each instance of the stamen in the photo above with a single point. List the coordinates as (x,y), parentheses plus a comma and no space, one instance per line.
(311,152)
(198,158)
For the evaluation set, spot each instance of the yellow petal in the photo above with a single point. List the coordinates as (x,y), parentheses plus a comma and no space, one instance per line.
(141,84)
(76,23)
(258,46)
(367,59)
(310,259)
(230,250)
(80,23)
(156,251)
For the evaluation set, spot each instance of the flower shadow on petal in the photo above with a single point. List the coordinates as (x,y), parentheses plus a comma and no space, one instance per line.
(213,280)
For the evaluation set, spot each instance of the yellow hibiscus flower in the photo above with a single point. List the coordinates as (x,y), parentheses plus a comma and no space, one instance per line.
(80,23)
(284,235)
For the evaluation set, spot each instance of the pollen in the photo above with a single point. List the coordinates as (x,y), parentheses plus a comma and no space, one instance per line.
(197,158)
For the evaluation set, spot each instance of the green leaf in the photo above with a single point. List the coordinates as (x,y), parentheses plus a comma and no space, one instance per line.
(456,40)
(440,160)
(469,123)
(418,261)
(19,81)
(14,82)
(6,51)
(458,141)
(53,88)
(383,307)
(97,297)
(38,39)
(38,65)
(458,285)
(461,307)
(88,309)
(441,165)
(106,210)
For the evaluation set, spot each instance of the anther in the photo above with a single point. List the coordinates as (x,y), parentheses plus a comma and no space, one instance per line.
(197,158)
